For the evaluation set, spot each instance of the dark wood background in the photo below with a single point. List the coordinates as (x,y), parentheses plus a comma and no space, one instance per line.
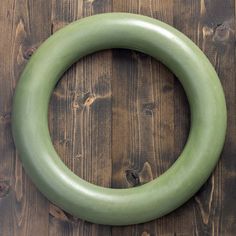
(118,118)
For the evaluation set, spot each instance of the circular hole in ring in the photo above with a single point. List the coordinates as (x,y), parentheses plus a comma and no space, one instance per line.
(118,118)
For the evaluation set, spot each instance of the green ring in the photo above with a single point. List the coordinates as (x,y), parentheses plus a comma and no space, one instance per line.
(106,205)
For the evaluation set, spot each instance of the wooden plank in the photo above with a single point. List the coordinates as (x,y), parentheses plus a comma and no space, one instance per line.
(211,25)
(185,20)
(23,208)
(80,117)
(6,142)
(143,131)
(217,28)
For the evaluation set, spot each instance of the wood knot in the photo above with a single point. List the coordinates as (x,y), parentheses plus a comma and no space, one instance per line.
(132,177)
(207,31)
(5,118)
(29,52)
(59,214)
(4,188)
(148,108)
(139,177)
(222,32)
(89,99)
(145,174)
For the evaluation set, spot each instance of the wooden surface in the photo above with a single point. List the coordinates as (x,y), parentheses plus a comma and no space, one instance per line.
(118,118)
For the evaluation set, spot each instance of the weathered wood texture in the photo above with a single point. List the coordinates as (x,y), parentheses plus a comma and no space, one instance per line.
(118,118)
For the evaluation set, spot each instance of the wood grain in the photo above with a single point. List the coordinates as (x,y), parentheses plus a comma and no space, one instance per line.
(23,209)
(118,118)
(212,28)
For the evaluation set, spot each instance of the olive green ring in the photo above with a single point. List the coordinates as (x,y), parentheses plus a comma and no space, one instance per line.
(106,205)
